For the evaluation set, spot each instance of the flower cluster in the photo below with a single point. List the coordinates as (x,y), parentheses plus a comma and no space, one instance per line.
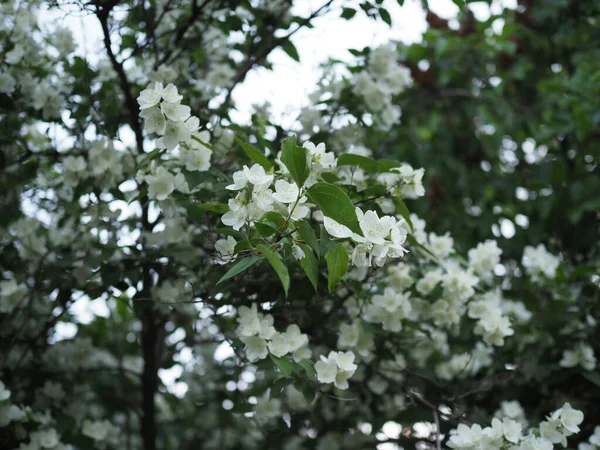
(581,355)
(509,433)
(382,79)
(492,324)
(336,368)
(382,237)
(165,117)
(540,263)
(260,338)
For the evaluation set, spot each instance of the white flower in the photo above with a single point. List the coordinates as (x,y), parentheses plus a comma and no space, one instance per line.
(295,338)
(170,94)
(319,155)
(336,229)
(235,218)
(550,430)
(74,164)
(484,257)
(326,369)
(45,438)
(535,443)
(349,334)
(151,96)
(226,247)
(263,199)
(160,184)
(582,355)
(4,393)
(7,83)
(249,321)
(570,418)
(267,408)
(256,348)
(465,437)
(97,430)
(257,176)
(196,156)
(412,181)
(344,361)
(175,111)
(154,120)
(341,380)
(374,229)
(390,300)
(266,328)
(512,430)
(441,246)
(538,261)
(175,133)
(297,252)
(279,345)
(300,211)
(239,181)
(286,192)
(15,55)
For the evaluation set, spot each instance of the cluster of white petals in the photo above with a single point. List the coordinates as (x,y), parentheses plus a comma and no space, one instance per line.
(260,337)
(507,433)
(165,117)
(540,263)
(382,79)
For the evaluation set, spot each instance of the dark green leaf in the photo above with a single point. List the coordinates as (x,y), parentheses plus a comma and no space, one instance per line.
(279,385)
(254,154)
(337,264)
(296,160)
(385,16)
(308,235)
(335,204)
(291,50)
(403,210)
(348,13)
(284,364)
(239,267)
(279,267)
(310,265)
(368,164)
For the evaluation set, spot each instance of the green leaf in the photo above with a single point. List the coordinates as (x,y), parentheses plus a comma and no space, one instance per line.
(284,364)
(368,164)
(309,368)
(403,210)
(220,208)
(150,156)
(239,267)
(348,13)
(279,385)
(308,235)
(385,16)
(291,50)
(330,177)
(193,179)
(309,393)
(270,223)
(254,154)
(310,265)
(385,165)
(337,264)
(335,204)
(280,268)
(295,159)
